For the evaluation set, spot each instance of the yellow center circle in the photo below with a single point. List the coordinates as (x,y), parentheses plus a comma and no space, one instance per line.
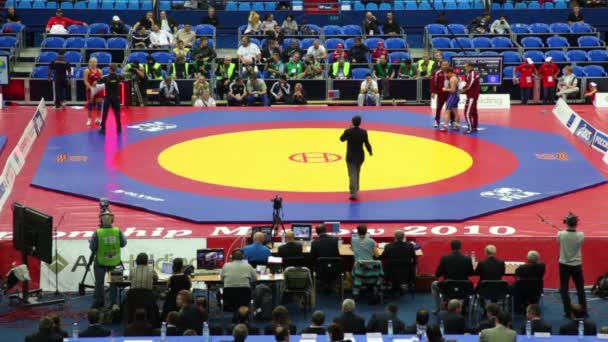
(311,160)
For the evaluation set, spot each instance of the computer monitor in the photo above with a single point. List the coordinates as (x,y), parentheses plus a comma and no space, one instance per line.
(332,227)
(167,267)
(302,231)
(209,258)
(267,230)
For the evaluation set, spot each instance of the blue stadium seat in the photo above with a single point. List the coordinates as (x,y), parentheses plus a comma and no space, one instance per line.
(520,5)
(557,55)
(502,42)
(464,5)
(164,5)
(287,42)
(332,30)
(13,27)
(560,28)
(359,6)
(586,41)
(251,40)
(39,4)
(244,6)
(137,56)
(557,42)
(41,71)
(307,42)
(539,28)
(461,43)
(67,5)
(92,4)
(520,28)
(594,71)
(534,5)
(73,57)
(441,43)
(511,57)
(24,4)
(507,72)
(313,28)
(597,55)
(482,42)
(489,53)
(133,5)
(231,6)
(549,5)
(270,6)
(576,56)
(384,7)
(532,42)
(410,6)
(99,28)
(457,29)
(449,5)
(447,55)
(46,57)
(535,55)
(242,28)
(478,5)
(146,5)
(79,72)
(102,57)
(10,3)
(436,29)
(561,5)
(204,30)
(332,43)
(397,56)
(371,6)
(95,43)
(395,43)
(107,5)
(372,42)
(352,29)
(162,57)
(53,43)
(424,6)
(578,71)
(581,28)
(74,43)
(106,70)
(399,6)
(117,43)
(507,6)
(257,6)
(349,42)
(77,29)
(359,73)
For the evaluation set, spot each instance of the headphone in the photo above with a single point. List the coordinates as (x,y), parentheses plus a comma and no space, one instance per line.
(571,220)
(106,212)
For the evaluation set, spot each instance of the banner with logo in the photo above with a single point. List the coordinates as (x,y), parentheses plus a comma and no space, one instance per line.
(600,141)
(485,101)
(566,115)
(585,132)
(73,256)
(601,100)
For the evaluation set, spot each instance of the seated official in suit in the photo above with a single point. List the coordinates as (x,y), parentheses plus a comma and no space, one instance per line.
(433,334)
(577,314)
(532,269)
(45,333)
(281,333)
(140,325)
(379,321)
(316,324)
(492,311)
(336,333)
(243,316)
(280,317)
(172,318)
(501,332)
(490,268)
(240,333)
(453,266)
(422,321)
(237,273)
(291,248)
(190,316)
(453,321)
(95,329)
(349,320)
(538,325)
(400,261)
(325,246)
(256,251)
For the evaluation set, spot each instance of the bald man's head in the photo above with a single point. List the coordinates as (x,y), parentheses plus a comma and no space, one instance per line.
(258,237)
(289,236)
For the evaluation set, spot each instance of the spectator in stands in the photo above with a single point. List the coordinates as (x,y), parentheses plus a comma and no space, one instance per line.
(575,16)
(364,247)
(172,319)
(349,320)
(254,24)
(491,268)
(248,52)
(548,74)
(117,26)
(313,70)
(407,70)
(492,310)
(12,16)
(526,72)
(59,23)
(143,275)
(180,69)
(167,23)
(325,246)
(501,332)
(268,24)
(168,92)
(453,321)
(205,101)
(57,325)
(271,48)
(211,18)
(237,92)
(289,25)
(400,250)
(568,83)
(60,70)
(368,91)
(186,35)
(316,324)
(257,92)
(379,321)
(299,96)
(190,332)
(294,47)
(340,52)
(317,51)
(370,25)
(177,282)
(291,248)
(391,25)
(190,316)
(382,69)
(538,325)
(153,69)
(281,334)
(294,67)
(441,18)
(380,50)
(275,67)
(240,333)
(200,66)
(180,49)
(45,332)
(277,35)
(340,70)
(200,85)
(438,57)
(242,316)
(95,329)
(206,52)
(160,38)
(335,333)
(453,266)
(500,26)
(146,22)
(190,4)
(140,325)
(480,24)
(249,70)
(224,75)
(141,38)
(280,317)
(590,93)
(434,334)
(426,66)
(420,327)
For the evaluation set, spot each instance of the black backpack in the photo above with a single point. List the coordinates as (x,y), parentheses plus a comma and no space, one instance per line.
(600,288)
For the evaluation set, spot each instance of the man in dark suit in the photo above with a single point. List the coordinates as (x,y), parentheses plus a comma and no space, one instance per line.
(492,311)
(45,333)
(316,324)
(190,316)
(422,321)
(140,326)
(355,137)
(453,321)
(349,320)
(379,321)
(242,316)
(172,330)
(95,329)
(533,269)
(453,266)
(291,248)
(491,268)
(399,253)
(578,314)
(538,325)
(326,246)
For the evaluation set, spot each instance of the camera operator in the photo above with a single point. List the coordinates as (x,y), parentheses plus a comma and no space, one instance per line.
(136,73)
(105,246)
(571,263)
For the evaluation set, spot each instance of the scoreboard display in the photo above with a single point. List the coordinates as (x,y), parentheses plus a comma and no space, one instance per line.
(488,67)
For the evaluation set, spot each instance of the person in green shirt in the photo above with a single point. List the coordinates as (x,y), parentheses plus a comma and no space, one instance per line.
(313,69)
(407,69)
(295,66)
(383,69)
(275,67)
(200,67)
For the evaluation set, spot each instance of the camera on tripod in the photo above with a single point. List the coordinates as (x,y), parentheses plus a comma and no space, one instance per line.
(104,205)
(277,202)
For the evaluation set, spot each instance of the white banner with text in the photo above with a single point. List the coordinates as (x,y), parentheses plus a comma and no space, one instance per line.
(485,101)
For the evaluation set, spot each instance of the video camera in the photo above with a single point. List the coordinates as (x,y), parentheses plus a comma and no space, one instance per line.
(277,202)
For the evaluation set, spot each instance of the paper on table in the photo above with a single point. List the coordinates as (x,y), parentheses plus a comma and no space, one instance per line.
(602,336)
(275,260)
(405,339)
(264,277)
(374,337)
(138,341)
(542,334)
(349,336)
(308,337)
(97,88)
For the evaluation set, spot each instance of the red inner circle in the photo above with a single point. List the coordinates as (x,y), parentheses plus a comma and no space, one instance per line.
(145,167)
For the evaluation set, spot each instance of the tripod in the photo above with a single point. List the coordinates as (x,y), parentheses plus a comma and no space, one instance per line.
(277,222)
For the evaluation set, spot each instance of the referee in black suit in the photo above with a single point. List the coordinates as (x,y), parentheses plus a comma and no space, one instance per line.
(355,137)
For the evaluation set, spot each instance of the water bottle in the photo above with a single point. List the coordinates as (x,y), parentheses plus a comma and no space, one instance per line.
(327,336)
(442,327)
(528,329)
(390,328)
(163,332)
(75,331)
(283,237)
(581,329)
(206,332)
(473,257)
(340,242)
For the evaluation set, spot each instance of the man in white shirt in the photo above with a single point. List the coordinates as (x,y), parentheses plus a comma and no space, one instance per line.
(168,92)
(248,49)
(568,83)
(369,89)
(205,101)
(500,26)
(317,51)
(160,38)
(166,23)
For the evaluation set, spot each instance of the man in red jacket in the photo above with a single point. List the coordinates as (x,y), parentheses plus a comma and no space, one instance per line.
(471,89)
(59,19)
(438,82)
(548,74)
(526,72)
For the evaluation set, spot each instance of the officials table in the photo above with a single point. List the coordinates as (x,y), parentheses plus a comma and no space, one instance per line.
(274,280)
(345,250)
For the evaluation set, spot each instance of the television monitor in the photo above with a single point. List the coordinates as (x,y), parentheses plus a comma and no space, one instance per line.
(209,258)
(302,231)
(36,234)
(167,267)
(488,67)
(332,227)
(18,217)
(267,230)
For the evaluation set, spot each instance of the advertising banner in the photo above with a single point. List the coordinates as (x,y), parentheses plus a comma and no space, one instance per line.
(485,101)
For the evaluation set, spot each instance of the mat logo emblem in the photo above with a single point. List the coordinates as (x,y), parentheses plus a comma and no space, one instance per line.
(152,127)
(62,158)
(563,156)
(508,194)
(315,157)
(138,195)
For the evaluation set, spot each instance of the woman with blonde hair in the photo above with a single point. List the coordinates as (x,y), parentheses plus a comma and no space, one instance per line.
(254,25)
(94,97)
